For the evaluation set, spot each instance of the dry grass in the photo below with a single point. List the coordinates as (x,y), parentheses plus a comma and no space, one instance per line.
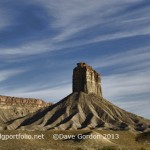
(126,141)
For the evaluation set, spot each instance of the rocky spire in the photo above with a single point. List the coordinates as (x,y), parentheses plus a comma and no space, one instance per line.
(86,79)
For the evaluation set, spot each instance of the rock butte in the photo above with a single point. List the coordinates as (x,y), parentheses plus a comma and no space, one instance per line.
(86,79)
(84,108)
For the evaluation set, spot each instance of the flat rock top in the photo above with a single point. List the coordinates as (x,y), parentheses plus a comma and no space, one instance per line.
(17,100)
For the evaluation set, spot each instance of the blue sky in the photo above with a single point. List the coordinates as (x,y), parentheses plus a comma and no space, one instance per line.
(42,40)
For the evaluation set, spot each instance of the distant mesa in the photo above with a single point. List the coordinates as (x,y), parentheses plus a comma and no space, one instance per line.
(85,108)
(8,100)
(14,107)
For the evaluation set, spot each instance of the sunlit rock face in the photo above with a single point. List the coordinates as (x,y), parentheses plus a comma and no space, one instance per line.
(15,107)
(86,79)
(12,101)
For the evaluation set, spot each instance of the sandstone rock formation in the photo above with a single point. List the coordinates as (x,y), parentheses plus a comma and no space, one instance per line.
(85,108)
(87,80)
(9,101)
(81,111)
(14,107)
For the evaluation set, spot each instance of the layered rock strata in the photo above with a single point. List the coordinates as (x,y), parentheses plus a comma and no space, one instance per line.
(10,101)
(12,108)
(86,79)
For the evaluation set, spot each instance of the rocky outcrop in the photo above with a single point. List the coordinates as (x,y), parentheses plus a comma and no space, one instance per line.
(84,108)
(86,79)
(14,107)
(80,110)
(10,101)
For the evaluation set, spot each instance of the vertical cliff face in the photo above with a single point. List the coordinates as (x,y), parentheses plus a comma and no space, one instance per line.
(87,80)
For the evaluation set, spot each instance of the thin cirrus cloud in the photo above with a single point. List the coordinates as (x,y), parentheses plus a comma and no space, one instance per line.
(122,85)
(72,18)
(133,56)
(50,94)
(7,74)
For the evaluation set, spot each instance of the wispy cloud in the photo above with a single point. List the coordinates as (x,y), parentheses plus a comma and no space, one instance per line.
(49,94)
(73,18)
(131,58)
(125,84)
(7,74)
